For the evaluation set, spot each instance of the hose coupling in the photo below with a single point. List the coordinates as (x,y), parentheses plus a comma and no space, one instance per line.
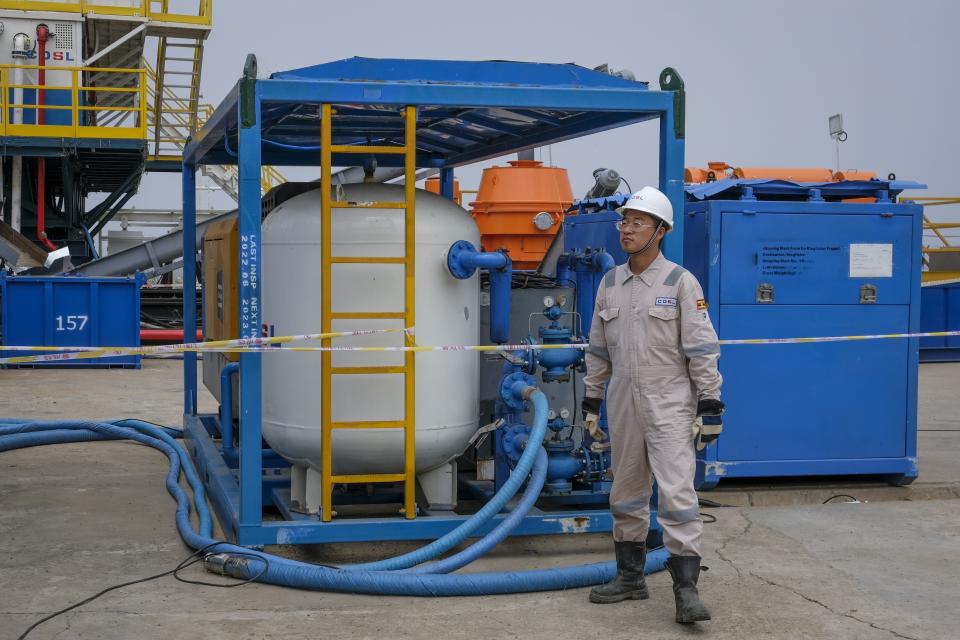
(225,564)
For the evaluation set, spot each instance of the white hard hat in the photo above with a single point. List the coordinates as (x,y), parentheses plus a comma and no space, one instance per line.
(652,201)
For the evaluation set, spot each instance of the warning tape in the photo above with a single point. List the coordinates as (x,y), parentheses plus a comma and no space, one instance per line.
(263,345)
(877,336)
(229,346)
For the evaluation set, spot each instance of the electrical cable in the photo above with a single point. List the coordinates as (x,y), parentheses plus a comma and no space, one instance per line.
(220,585)
(292,147)
(97,595)
(624,180)
(90,242)
(840,495)
(197,556)
(226,144)
(712,504)
(271,143)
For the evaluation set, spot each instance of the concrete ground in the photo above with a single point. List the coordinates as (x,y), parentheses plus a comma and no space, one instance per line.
(78,518)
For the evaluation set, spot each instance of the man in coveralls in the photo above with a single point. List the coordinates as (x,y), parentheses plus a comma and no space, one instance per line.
(651,338)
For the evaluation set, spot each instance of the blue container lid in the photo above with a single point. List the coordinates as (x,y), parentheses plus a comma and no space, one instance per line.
(763,189)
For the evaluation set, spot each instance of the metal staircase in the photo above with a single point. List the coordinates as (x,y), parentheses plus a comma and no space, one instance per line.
(174,110)
(172,120)
(175,98)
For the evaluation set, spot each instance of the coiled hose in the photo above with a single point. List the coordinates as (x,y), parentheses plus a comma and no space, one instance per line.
(277,570)
(496,504)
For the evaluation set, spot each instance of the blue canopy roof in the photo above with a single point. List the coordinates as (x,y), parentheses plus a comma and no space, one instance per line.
(487,73)
(468,111)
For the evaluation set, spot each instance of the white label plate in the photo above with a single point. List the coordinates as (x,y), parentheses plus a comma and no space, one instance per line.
(871,260)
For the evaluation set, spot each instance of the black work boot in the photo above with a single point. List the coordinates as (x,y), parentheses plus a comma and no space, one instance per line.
(685,570)
(629,583)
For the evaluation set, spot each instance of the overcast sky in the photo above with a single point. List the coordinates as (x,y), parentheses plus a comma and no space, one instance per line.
(761,76)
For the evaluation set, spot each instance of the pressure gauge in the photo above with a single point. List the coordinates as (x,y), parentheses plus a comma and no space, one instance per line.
(543,221)
(561,301)
(551,415)
(548,301)
(564,413)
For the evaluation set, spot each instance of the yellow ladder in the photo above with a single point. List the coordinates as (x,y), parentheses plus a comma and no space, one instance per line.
(408,424)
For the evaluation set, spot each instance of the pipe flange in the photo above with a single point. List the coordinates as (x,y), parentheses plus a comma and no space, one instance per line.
(514,441)
(529,356)
(456,266)
(508,389)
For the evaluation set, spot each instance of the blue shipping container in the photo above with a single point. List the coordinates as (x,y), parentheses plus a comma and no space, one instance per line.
(940,311)
(794,267)
(72,311)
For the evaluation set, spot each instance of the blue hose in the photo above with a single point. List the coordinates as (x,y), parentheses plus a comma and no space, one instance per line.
(30,434)
(495,505)
(24,426)
(281,571)
(502,530)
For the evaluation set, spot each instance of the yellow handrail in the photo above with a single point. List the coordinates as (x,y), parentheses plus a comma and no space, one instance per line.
(83,99)
(144,8)
(929,225)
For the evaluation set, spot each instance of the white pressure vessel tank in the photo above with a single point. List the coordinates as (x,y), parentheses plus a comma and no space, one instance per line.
(446,314)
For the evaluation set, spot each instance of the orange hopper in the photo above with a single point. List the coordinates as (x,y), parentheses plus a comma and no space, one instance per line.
(433,186)
(520,209)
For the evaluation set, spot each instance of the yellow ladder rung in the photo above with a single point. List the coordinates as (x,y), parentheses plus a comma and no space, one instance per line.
(327,205)
(370,424)
(368,315)
(366,370)
(371,477)
(343,204)
(346,148)
(367,260)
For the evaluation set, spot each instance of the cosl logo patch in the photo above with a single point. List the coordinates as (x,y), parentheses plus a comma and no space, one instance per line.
(666,302)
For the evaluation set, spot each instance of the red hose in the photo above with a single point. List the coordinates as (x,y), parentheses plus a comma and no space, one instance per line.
(42,34)
(166,335)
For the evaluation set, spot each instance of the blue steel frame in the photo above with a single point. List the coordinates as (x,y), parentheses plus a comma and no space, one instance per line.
(239,499)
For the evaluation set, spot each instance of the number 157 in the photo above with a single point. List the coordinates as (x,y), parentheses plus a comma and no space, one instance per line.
(71,323)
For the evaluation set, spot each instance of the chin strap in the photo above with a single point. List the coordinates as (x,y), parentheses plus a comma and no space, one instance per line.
(649,242)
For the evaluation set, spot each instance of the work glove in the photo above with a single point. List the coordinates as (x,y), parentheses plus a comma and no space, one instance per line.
(590,407)
(709,423)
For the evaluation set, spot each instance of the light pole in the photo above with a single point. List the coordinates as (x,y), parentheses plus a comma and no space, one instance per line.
(837,133)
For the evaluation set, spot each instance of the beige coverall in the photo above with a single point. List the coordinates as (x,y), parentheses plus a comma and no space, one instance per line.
(652,339)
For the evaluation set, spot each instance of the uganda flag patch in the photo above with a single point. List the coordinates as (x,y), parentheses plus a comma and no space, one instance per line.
(701,305)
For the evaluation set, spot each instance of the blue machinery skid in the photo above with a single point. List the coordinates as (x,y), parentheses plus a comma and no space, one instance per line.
(778,260)
(325,115)
(796,260)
